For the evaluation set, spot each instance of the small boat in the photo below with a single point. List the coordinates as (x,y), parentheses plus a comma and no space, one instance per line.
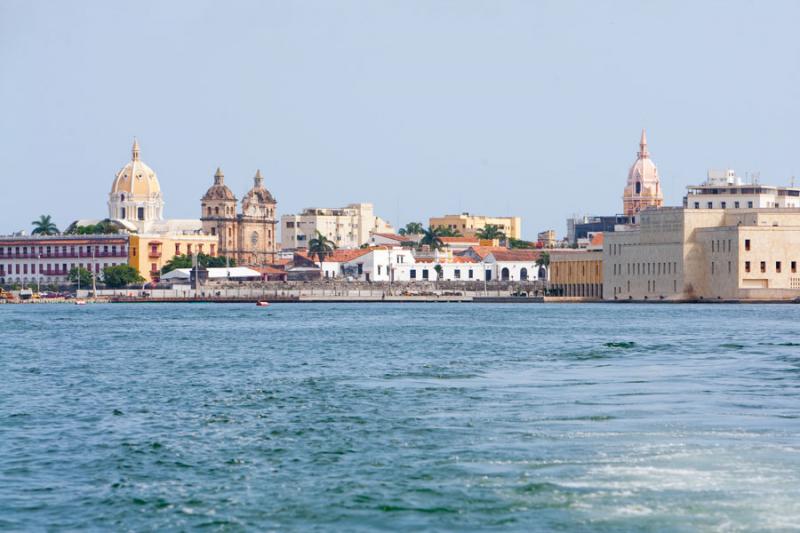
(262,303)
(80,302)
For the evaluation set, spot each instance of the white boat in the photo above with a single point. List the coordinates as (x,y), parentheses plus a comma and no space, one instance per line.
(262,303)
(80,302)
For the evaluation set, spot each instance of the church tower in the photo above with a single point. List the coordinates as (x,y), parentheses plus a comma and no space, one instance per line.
(136,194)
(257,224)
(218,215)
(643,189)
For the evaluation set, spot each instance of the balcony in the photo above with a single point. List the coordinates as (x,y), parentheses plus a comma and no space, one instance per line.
(154,254)
(62,255)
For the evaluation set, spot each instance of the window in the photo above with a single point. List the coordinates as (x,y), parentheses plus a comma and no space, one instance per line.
(736,205)
(379,270)
(425,273)
(470,274)
(747,245)
(710,205)
(457,273)
(729,267)
(213,231)
(723,204)
(778,267)
(638,187)
(793,266)
(412,273)
(763,266)
(140,213)
(697,205)
(177,249)
(712,267)
(747,266)
(122,213)
(750,205)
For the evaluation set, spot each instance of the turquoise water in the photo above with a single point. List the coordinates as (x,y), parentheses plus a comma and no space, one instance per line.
(347,417)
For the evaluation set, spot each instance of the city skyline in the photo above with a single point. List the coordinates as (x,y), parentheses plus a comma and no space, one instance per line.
(485,110)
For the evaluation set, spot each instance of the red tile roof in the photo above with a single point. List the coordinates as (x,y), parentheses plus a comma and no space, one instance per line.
(392,236)
(447,240)
(517,255)
(483,251)
(340,255)
(454,259)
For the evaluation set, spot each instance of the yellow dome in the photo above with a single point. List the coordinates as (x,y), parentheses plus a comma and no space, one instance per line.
(136,178)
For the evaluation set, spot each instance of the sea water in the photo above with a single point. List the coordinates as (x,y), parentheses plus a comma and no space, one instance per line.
(355,417)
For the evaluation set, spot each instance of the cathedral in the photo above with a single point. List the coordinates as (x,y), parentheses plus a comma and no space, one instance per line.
(643,189)
(248,237)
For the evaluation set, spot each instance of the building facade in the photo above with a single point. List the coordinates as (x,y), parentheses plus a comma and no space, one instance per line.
(694,254)
(725,190)
(149,252)
(48,260)
(576,273)
(248,236)
(643,189)
(467,224)
(346,227)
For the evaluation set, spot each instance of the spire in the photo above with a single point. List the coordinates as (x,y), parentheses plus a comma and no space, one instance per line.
(258,180)
(135,149)
(643,153)
(219,177)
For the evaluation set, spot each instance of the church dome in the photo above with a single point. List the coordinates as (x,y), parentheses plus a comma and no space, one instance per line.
(258,194)
(643,188)
(219,191)
(136,178)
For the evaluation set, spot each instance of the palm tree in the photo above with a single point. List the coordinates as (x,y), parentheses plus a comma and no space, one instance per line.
(490,232)
(544,260)
(320,246)
(432,237)
(44,226)
(448,232)
(412,228)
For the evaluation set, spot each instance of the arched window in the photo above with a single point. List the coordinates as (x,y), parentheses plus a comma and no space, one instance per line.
(209,211)
(523,274)
(504,274)
(638,187)
(216,211)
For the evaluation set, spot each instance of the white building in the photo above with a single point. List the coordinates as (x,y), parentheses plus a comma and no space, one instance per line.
(725,190)
(217,274)
(347,227)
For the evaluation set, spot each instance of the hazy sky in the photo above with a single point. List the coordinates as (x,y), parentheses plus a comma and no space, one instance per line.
(420,107)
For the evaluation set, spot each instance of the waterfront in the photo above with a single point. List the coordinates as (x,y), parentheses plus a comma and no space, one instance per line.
(400,416)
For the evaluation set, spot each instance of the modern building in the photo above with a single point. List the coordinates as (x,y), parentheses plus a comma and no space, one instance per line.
(48,259)
(149,252)
(691,254)
(346,227)
(576,273)
(579,228)
(725,190)
(248,236)
(467,224)
(643,189)
(546,239)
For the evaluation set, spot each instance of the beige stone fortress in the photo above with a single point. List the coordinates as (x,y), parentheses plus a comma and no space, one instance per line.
(247,236)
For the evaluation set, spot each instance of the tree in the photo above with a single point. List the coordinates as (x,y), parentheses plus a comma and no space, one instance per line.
(439,270)
(490,232)
(44,226)
(544,260)
(120,276)
(203,261)
(524,245)
(104,227)
(432,238)
(412,228)
(321,247)
(448,232)
(80,273)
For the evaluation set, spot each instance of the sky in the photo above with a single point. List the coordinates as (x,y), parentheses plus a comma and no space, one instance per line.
(497,107)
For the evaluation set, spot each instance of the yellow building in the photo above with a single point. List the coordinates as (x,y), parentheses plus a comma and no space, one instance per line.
(150,252)
(577,273)
(468,224)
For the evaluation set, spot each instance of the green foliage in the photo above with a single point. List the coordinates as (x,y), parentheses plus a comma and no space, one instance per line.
(412,228)
(544,260)
(523,245)
(431,237)
(120,276)
(44,226)
(101,228)
(447,232)
(439,270)
(490,232)
(320,246)
(82,274)
(203,261)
